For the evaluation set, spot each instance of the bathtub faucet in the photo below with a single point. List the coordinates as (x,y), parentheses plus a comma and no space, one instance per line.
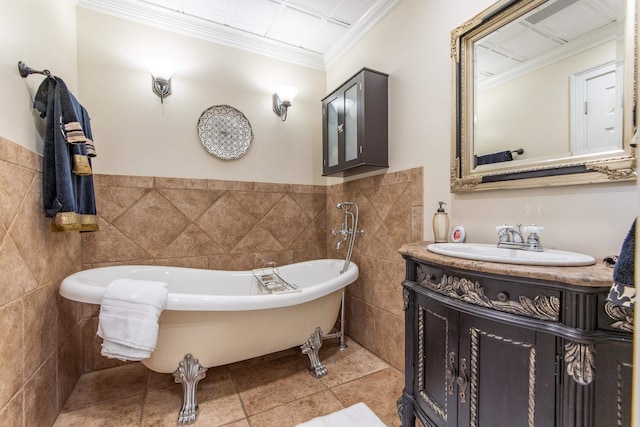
(344,232)
(349,230)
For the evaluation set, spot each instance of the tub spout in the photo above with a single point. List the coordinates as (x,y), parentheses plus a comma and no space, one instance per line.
(344,232)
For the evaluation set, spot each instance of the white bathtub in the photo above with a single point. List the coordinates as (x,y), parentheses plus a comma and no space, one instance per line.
(222,317)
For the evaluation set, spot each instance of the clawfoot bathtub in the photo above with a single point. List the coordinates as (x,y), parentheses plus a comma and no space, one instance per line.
(213,318)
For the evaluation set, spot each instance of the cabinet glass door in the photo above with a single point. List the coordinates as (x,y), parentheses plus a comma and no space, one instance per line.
(351,123)
(332,132)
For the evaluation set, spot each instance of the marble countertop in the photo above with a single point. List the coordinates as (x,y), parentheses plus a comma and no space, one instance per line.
(597,275)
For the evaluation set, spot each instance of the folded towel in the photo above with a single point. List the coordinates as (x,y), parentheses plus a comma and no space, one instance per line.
(358,415)
(128,319)
(623,290)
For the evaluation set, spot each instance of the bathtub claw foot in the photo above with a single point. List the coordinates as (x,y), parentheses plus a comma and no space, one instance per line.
(311,348)
(189,373)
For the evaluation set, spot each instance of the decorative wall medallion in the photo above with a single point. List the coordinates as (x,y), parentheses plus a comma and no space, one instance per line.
(224,132)
(623,316)
(581,361)
(541,307)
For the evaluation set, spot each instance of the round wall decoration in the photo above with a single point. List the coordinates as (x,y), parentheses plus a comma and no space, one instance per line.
(224,132)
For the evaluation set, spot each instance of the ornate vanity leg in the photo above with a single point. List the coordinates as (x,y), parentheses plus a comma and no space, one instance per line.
(310,348)
(405,411)
(189,373)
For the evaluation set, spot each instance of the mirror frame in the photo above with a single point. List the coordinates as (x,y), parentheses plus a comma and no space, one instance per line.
(621,167)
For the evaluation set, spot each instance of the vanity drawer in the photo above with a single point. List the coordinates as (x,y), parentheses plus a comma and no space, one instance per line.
(530,300)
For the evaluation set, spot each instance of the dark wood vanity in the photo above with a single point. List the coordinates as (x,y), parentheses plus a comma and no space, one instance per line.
(494,345)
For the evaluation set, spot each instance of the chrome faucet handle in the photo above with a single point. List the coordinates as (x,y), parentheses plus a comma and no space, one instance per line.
(537,229)
(533,238)
(503,232)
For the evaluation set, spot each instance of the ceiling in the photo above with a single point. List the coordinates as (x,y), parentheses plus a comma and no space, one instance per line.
(313,33)
(556,27)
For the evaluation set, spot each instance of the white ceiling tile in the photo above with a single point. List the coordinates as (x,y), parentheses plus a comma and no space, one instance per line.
(493,62)
(294,27)
(576,20)
(520,41)
(255,16)
(316,7)
(328,34)
(215,11)
(349,11)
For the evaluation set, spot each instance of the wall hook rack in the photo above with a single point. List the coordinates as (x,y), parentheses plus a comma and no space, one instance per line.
(26,70)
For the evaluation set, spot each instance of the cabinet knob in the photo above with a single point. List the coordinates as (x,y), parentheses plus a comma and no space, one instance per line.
(341,128)
(503,297)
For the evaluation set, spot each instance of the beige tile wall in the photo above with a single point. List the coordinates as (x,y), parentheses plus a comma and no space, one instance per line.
(390,215)
(184,222)
(40,334)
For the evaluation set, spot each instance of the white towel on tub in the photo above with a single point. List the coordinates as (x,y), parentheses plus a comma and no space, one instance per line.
(128,320)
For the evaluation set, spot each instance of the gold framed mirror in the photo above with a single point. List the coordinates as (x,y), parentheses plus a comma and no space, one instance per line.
(545,94)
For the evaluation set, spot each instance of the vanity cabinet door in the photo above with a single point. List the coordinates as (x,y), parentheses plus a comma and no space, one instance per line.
(613,384)
(506,375)
(435,362)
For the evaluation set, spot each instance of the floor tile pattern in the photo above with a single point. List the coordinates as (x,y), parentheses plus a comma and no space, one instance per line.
(276,390)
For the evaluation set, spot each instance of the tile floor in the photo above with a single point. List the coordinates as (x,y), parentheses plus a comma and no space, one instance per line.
(277,390)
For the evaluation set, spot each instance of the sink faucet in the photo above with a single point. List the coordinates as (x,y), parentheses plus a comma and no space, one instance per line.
(511,238)
(506,233)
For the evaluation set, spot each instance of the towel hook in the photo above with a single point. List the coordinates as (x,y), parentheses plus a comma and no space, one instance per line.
(26,70)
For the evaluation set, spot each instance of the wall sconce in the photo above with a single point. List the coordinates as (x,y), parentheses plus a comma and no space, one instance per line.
(161,71)
(282,100)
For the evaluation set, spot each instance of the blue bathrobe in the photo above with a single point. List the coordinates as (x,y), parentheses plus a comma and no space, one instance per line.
(623,291)
(68,192)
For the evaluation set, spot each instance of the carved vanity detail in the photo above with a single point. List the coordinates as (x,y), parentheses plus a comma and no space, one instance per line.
(491,344)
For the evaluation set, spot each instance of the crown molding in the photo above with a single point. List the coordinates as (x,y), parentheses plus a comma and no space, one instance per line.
(181,23)
(374,15)
(188,25)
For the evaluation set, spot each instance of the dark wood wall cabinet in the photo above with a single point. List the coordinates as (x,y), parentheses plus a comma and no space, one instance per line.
(355,125)
(491,350)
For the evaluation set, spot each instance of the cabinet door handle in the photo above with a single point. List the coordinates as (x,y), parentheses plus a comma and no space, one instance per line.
(451,373)
(463,381)
(341,128)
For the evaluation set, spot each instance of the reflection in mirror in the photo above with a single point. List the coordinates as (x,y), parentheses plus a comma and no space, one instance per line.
(540,92)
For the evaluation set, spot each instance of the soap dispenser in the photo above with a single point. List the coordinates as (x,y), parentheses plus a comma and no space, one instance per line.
(440,224)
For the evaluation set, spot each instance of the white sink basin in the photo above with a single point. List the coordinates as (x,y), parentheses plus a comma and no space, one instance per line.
(490,252)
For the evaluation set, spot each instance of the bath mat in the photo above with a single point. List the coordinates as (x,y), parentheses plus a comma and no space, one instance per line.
(358,415)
